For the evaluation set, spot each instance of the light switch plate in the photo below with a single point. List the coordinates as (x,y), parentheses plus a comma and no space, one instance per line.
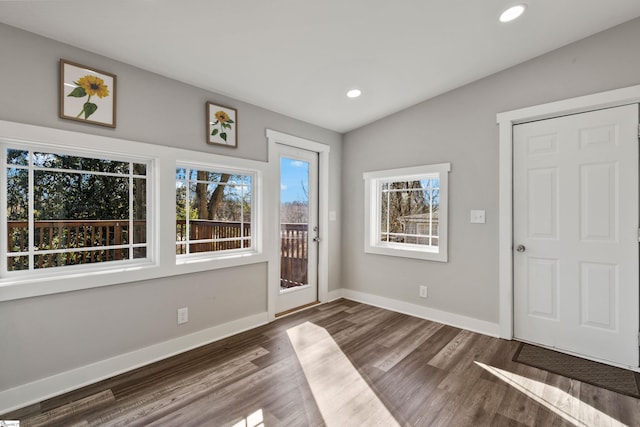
(183,315)
(478,217)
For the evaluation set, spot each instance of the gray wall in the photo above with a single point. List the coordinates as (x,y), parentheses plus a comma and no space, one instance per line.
(459,127)
(46,335)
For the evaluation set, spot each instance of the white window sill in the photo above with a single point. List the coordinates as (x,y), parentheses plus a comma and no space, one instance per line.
(15,287)
(406,251)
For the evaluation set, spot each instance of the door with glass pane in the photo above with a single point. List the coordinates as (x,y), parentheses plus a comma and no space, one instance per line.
(299,234)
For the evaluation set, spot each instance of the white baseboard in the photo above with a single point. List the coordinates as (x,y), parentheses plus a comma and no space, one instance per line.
(27,394)
(447,318)
(334,295)
(34,392)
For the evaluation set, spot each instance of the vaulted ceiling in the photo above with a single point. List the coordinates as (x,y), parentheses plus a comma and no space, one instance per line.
(300,57)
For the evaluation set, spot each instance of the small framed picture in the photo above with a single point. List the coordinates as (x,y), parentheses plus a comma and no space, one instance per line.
(222,125)
(87,95)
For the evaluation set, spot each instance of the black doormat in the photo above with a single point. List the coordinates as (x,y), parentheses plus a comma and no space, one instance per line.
(598,374)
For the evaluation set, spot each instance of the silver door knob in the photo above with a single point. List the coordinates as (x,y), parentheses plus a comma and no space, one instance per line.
(316,239)
(521,248)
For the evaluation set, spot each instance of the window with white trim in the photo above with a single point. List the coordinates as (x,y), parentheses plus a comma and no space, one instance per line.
(406,212)
(214,211)
(66,209)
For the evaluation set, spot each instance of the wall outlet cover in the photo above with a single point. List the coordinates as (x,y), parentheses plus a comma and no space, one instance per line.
(477,217)
(183,315)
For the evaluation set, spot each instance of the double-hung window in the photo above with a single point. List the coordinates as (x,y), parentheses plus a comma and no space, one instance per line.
(67,209)
(214,212)
(406,212)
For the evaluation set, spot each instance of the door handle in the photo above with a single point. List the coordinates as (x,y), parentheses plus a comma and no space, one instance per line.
(316,239)
(521,248)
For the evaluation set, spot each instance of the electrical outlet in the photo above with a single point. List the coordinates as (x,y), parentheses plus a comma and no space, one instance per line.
(423,291)
(183,315)
(477,217)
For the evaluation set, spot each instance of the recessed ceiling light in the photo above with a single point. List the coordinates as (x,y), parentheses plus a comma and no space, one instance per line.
(512,13)
(354,93)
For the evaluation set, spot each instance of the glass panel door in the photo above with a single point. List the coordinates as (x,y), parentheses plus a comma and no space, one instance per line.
(298,228)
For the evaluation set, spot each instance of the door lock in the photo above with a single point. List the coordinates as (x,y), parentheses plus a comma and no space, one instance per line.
(521,248)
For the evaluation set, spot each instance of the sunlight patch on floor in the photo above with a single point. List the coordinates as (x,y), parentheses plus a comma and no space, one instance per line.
(343,396)
(560,402)
(253,420)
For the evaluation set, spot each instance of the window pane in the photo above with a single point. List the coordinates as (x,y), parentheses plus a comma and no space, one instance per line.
(61,161)
(17,263)
(181,248)
(140,252)
(62,259)
(384,213)
(17,212)
(181,174)
(407,209)
(62,195)
(65,234)
(139,210)
(405,212)
(246,209)
(17,194)
(18,233)
(398,185)
(217,208)
(181,201)
(80,208)
(17,157)
(139,169)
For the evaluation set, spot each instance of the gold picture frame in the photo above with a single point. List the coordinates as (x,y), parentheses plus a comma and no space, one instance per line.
(87,94)
(222,125)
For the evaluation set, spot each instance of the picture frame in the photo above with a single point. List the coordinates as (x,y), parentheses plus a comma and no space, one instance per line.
(87,94)
(222,125)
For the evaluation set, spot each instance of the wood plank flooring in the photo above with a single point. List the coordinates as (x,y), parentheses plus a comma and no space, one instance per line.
(342,363)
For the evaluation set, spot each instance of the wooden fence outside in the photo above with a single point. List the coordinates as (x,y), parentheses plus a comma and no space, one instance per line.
(294,253)
(62,234)
(238,235)
(77,234)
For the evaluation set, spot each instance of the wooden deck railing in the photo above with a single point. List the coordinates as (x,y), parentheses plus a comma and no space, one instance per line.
(294,253)
(76,234)
(90,238)
(219,231)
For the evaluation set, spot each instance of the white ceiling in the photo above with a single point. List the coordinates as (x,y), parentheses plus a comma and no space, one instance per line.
(299,57)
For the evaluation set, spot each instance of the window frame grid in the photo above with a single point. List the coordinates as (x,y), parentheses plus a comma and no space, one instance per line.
(249,180)
(160,211)
(34,147)
(382,192)
(374,182)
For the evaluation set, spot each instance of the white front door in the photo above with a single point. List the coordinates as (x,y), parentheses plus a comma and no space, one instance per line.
(575,233)
(299,232)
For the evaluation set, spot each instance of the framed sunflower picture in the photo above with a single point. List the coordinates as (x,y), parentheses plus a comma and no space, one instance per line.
(87,95)
(222,125)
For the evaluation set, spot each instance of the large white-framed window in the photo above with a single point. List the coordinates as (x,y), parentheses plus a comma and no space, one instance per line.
(72,210)
(214,211)
(406,212)
(132,186)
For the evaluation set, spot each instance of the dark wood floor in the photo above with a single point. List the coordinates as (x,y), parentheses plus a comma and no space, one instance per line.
(423,374)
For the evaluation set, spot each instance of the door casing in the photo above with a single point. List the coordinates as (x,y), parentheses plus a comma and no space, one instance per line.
(273,218)
(505,121)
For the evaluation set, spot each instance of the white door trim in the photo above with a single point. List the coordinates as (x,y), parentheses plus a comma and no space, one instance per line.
(273,209)
(506,120)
